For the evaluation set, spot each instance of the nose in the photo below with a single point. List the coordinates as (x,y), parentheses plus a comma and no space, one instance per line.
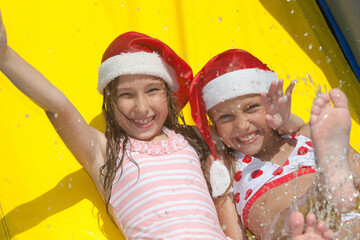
(141,104)
(242,123)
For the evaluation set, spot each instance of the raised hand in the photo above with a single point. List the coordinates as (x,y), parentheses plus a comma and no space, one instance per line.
(3,38)
(277,104)
(310,231)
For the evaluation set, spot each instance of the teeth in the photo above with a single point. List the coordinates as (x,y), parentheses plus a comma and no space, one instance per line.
(143,121)
(248,138)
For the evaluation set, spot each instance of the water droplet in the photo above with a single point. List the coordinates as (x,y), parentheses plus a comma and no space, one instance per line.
(165,28)
(220,19)
(306,34)
(320,48)
(310,46)
(69,186)
(27,115)
(292,11)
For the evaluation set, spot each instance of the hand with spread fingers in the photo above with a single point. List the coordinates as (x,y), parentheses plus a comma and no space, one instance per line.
(313,230)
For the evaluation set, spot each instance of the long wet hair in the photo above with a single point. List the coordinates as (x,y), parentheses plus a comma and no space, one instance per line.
(118,139)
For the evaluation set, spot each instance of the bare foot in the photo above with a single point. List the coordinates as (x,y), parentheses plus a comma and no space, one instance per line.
(297,224)
(330,133)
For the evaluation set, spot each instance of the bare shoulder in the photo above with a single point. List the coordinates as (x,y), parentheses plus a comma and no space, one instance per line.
(305,131)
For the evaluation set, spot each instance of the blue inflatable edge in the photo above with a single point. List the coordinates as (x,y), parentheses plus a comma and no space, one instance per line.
(340,38)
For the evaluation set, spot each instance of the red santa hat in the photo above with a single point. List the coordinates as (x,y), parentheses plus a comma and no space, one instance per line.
(228,75)
(137,53)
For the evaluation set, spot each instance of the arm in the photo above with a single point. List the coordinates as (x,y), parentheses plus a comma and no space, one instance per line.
(293,124)
(229,220)
(278,108)
(80,138)
(225,205)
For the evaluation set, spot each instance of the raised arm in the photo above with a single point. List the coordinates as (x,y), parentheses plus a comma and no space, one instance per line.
(86,143)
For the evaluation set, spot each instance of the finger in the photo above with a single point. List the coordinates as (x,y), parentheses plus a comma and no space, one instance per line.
(290,89)
(279,87)
(272,90)
(324,231)
(1,21)
(271,122)
(310,222)
(328,234)
(264,100)
(296,224)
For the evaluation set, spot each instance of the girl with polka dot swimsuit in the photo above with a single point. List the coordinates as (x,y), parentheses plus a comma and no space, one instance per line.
(263,176)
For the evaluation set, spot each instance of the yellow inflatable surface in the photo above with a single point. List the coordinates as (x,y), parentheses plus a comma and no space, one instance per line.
(44,192)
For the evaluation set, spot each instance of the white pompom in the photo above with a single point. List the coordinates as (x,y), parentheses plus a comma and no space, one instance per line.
(219,178)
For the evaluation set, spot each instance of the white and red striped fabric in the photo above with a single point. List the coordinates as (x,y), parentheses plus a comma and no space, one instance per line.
(166,196)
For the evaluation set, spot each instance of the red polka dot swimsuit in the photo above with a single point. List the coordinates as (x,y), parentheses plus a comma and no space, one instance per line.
(254,177)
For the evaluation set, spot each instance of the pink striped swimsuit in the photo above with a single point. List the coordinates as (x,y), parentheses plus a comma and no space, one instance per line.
(166,196)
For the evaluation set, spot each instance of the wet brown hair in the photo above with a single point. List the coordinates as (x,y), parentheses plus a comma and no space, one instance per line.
(117,138)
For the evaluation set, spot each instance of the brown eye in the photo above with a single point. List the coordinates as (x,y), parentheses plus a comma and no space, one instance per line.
(154,90)
(224,116)
(253,107)
(125,95)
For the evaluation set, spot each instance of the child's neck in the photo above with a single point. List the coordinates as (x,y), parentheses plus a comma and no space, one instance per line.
(271,148)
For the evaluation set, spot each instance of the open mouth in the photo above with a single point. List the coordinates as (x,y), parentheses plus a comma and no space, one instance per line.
(143,123)
(248,139)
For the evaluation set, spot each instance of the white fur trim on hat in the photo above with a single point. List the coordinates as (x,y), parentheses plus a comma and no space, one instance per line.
(136,63)
(219,179)
(237,83)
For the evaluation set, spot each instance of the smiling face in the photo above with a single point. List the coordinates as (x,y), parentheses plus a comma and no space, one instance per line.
(240,123)
(142,106)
